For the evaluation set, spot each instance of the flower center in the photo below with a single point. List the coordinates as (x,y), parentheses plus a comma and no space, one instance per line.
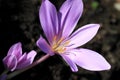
(59,46)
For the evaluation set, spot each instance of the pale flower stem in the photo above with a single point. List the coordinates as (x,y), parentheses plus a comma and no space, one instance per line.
(32,65)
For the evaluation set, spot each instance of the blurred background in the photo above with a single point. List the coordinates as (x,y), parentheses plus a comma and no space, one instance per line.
(19,22)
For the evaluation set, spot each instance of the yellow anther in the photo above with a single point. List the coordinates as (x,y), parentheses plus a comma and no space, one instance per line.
(60,40)
(54,46)
(60,49)
(59,46)
(66,43)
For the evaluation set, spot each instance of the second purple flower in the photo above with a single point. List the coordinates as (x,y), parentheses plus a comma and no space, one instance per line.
(16,60)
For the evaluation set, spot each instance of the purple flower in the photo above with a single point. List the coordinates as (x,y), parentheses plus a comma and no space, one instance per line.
(16,60)
(58,28)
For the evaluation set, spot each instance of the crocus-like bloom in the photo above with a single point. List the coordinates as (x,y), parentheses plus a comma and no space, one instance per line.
(58,28)
(15,59)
